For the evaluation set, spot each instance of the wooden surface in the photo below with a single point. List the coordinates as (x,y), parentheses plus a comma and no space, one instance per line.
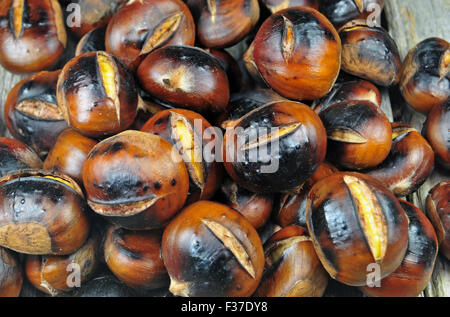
(409,22)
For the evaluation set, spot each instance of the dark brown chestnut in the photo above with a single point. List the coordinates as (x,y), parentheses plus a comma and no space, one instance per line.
(32,114)
(185,77)
(56,274)
(356,90)
(42,213)
(231,67)
(354,221)
(97,94)
(136,179)
(222,23)
(105,285)
(340,12)
(192,135)
(438,211)
(370,53)
(413,275)
(297,52)
(32,35)
(275,148)
(11,277)
(359,134)
(15,155)
(436,130)
(278,5)
(292,268)
(92,41)
(69,153)
(256,208)
(134,257)
(145,25)
(409,163)
(211,250)
(425,79)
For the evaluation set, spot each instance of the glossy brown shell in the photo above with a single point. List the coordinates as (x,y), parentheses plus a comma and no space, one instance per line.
(11,276)
(298,53)
(135,179)
(340,12)
(436,130)
(31,39)
(92,41)
(204,249)
(14,156)
(337,233)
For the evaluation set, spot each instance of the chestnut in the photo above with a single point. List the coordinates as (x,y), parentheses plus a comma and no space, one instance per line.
(436,130)
(256,208)
(176,75)
(355,221)
(32,114)
(355,90)
(370,53)
(231,67)
(136,180)
(69,153)
(291,208)
(134,257)
(223,23)
(409,163)
(92,41)
(94,14)
(104,285)
(297,52)
(359,134)
(292,268)
(414,273)
(425,78)
(42,213)
(97,94)
(143,26)
(340,12)
(53,274)
(275,148)
(32,35)
(438,211)
(191,135)
(211,250)
(11,277)
(278,5)
(15,155)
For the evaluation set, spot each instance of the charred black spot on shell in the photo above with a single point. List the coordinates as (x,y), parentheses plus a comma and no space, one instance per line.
(114,148)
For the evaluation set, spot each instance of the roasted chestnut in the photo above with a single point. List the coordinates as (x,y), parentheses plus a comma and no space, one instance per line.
(438,211)
(292,268)
(231,67)
(31,112)
(359,134)
(56,274)
(176,75)
(211,250)
(354,221)
(134,257)
(94,14)
(15,155)
(340,12)
(425,79)
(409,163)
(370,53)
(222,23)
(11,277)
(256,208)
(436,129)
(356,90)
(135,179)
(278,5)
(275,148)
(32,35)
(142,26)
(92,41)
(193,137)
(97,94)
(413,275)
(105,285)
(69,153)
(42,213)
(298,53)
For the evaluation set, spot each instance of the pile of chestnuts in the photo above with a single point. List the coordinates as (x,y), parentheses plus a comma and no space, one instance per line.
(142,164)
